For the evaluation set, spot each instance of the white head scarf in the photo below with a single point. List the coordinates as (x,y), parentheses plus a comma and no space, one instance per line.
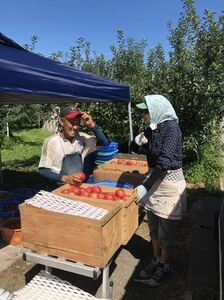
(160,110)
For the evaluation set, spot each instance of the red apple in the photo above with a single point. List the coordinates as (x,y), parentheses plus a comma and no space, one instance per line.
(96,189)
(126,197)
(80,175)
(66,191)
(84,193)
(76,190)
(101,195)
(94,195)
(89,189)
(110,197)
(120,193)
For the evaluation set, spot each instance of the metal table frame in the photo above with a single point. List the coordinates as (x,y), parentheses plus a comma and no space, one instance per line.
(74,267)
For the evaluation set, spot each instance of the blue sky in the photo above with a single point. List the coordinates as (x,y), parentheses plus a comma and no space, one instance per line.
(58,24)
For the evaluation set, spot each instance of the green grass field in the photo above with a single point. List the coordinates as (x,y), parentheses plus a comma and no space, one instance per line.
(20,157)
(22,151)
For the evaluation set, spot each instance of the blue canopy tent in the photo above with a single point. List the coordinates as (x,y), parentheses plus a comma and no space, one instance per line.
(26,77)
(30,78)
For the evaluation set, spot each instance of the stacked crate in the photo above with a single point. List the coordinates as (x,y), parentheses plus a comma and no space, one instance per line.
(122,171)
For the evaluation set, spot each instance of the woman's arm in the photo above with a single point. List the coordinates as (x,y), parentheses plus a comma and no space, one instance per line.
(156,174)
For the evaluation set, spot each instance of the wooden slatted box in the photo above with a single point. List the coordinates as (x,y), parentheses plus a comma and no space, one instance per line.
(120,164)
(122,173)
(118,176)
(89,241)
(129,212)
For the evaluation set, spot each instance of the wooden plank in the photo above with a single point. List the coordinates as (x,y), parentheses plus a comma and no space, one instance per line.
(129,222)
(88,259)
(111,237)
(9,255)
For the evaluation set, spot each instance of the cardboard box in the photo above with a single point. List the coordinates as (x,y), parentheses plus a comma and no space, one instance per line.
(89,241)
(129,212)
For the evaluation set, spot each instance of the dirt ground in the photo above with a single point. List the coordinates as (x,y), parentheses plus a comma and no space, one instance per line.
(125,266)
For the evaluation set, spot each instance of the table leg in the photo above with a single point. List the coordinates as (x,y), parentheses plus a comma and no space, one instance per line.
(48,269)
(106,286)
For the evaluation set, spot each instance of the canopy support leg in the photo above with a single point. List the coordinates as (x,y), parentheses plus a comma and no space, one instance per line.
(130,126)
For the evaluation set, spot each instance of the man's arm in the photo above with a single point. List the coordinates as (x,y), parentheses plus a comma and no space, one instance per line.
(100,136)
(49,174)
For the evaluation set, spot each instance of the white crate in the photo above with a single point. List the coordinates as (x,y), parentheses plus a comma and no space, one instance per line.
(45,286)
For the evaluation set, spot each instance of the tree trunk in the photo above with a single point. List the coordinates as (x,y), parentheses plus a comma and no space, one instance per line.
(7,130)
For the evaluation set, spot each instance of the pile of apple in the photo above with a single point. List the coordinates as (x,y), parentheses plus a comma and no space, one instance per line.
(126,162)
(96,192)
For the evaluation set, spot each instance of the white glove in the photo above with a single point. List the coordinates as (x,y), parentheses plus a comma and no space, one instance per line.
(141,139)
(140,193)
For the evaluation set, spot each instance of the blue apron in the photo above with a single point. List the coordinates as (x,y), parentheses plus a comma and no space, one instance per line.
(72,163)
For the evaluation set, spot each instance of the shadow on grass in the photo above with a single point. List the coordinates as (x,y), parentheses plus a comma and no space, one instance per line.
(14,179)
(32,162)
(19,140)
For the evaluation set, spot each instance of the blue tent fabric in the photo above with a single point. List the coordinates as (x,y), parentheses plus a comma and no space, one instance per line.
(26,77)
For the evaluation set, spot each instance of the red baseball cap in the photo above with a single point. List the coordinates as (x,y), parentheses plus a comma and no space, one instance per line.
(69,112)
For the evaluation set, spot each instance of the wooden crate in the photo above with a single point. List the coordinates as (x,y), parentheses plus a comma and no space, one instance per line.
(134,179)
(129,212)
(122,173)
(89,241)
(131,156)
(121,165)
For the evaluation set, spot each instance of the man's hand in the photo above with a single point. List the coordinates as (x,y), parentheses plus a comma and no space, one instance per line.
(68,179)
(74,178)
(79,177)
(140,191)
(87,119)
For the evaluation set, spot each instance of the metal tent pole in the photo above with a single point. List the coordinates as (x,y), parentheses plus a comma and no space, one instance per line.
(130,125)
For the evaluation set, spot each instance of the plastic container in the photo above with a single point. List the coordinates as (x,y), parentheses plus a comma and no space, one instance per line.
(24,193)
(11,231)
(111,146)
(7,197)
(108,153)
(7,214)
(109,183)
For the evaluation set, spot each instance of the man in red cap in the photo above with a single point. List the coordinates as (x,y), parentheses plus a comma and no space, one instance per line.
(63,154)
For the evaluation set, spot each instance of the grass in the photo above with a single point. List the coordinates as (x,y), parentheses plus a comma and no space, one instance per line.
(22,151)
(20,158)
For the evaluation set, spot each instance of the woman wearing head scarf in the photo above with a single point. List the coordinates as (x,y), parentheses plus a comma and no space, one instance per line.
(163,193)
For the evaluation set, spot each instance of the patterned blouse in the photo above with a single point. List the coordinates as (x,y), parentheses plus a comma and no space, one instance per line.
(164,147)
